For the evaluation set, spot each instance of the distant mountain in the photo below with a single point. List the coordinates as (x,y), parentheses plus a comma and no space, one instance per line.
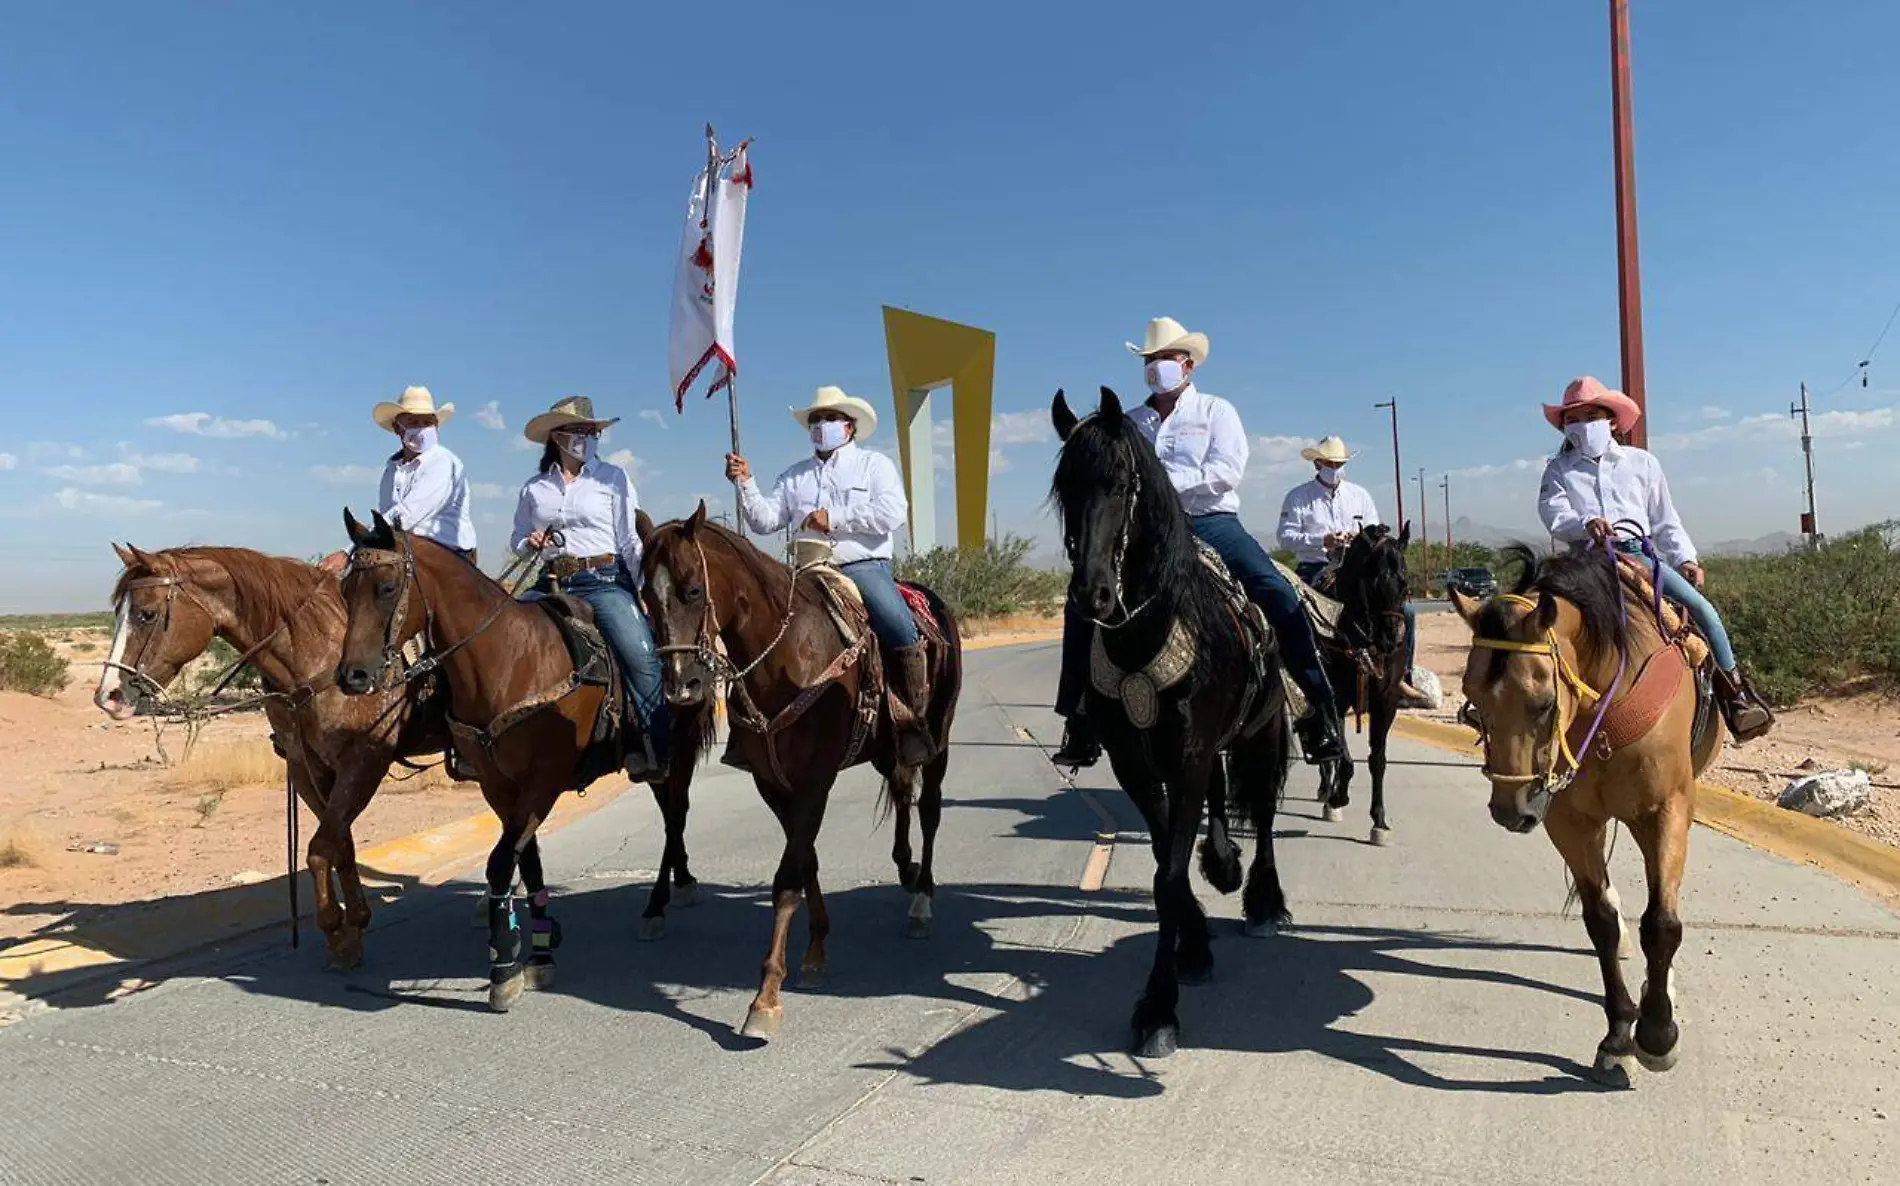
(1772,544)
(1465,530)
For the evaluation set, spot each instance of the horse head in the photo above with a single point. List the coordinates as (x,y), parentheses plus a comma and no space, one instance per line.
(162,622)
(1118,510)
(384,606)
(678,602)
(1372,585)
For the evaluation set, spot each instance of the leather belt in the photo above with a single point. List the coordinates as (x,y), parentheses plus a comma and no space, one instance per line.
(563,567)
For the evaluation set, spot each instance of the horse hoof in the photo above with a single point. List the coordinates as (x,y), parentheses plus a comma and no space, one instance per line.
(812,978)
(762,1024)
(502,997)
(540,977)
(1659,1063)
(1332,815)
(1381,837)
(917,925)
(685,896)
(652,929)
(1612,1070)
(1159,1042)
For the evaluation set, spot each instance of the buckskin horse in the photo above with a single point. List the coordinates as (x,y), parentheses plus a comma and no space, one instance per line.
(527,688)
(1365,659)
(797,652)
(1593,706)
(286,619)
(1185,682)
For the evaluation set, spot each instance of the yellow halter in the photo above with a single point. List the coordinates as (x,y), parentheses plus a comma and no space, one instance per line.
(1584,695)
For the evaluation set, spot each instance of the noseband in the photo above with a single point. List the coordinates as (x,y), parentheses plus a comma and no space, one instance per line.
(404,557)
(1581,695)
(135,673)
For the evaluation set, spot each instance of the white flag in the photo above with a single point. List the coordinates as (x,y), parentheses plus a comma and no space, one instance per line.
(706,280)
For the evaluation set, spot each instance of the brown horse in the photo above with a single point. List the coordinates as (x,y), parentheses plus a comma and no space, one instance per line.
(789,662)
(286,619)
(1589,706)
(523,718)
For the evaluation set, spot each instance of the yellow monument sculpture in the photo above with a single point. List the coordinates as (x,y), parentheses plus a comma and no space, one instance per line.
(927,354)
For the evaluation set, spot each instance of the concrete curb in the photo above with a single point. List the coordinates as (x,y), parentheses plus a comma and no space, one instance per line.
(1868,865)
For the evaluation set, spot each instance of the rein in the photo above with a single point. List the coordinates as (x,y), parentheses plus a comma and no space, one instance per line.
(1121,553)
(404,555)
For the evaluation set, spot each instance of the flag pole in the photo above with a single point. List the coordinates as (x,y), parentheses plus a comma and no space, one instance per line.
(732,384)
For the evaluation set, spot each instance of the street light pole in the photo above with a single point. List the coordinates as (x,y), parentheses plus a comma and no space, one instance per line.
(1445,485)
(1629,284)
(1398,473)
(1424,532)
(1810,527)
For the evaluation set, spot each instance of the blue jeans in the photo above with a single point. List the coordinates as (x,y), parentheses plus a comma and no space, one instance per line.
(609,593)
(1677,587)
(1306,570)
(891,619)
(1269,590)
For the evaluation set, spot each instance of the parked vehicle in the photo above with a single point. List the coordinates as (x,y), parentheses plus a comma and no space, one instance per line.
(1472,582)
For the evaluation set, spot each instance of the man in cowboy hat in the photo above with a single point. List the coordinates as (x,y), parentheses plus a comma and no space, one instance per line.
(424,489)
(1202,445)
(854,498)
(1319,520)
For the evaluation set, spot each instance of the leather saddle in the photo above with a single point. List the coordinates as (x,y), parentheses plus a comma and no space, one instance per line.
(616,728)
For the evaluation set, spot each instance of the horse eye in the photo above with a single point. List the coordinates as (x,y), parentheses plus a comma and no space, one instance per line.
(386,590)
(694,594)
(146,617)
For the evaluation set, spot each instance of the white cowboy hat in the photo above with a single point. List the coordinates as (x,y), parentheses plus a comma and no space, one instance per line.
(833,399)
(1329,449)
(414,401)
(566,413)
(1165,334)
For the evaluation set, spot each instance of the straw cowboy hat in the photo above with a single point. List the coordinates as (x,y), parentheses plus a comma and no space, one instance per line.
(414,401)
(1329,449)
(833,399)
(1165,334)
(566,413)
(1588,393)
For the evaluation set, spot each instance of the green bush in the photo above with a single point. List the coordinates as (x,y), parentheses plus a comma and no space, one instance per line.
(1810,621)
(29,664)
(218,658)
(993,581)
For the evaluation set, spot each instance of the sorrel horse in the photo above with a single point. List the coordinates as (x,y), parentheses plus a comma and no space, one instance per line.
(286,619)
(1365,659)
(521,717)
(1588,706)
(789,663)
(1185,682)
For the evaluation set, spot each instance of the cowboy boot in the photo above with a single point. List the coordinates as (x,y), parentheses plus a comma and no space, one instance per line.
(1743,711)
(734,757)
(909,670)
(1321,738)
(1081,747)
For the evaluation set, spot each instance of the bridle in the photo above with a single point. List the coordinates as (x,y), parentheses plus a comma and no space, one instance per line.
(134,673)
(1119,557)
(404,557)
(1580,695)
(703,647)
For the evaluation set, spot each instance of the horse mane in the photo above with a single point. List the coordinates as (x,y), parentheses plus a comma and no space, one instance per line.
(1101,447)
(274,588)
(1586,580)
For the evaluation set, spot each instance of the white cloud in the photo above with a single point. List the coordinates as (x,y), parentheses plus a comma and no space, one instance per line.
(1021,428)
(489,416)
(164,463)
(489,491)
(1774,426)
(86,502)
(1272,455)
(43,451)
(204,424)
(624,458)
(1522,465)
(116,474)
(653,415)
(8,461)
(347,475)
(1711,413)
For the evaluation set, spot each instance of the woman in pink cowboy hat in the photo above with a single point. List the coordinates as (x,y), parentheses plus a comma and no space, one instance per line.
(1594,482)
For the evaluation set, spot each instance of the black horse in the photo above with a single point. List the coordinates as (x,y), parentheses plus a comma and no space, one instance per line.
(1365,660)
(1185,685)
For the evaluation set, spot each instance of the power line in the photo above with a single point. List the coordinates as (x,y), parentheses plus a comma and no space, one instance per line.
(1860,368)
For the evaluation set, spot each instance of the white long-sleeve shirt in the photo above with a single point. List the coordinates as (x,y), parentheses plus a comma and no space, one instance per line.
(1313,511)
(859,490)
(428,496)
(1202,446)
(1628,483)
(594,513)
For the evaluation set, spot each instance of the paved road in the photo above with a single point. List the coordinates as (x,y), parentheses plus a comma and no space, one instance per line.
(1425,1022)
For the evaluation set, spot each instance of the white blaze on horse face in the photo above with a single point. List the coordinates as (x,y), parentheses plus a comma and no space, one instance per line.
(108,696)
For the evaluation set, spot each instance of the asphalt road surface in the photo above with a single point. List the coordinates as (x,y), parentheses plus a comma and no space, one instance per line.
(1429,1018)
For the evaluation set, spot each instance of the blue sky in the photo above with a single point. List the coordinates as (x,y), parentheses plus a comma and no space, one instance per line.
(229,229)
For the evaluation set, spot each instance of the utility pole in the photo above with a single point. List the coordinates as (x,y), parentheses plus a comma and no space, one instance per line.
(1445,485)
(1424,533)
(1398,474)
(1629,284)
(1809,526)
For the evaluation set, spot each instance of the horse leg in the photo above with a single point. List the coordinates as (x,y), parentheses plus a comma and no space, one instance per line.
(900,797)
(1383,713)
(1157,1027)
(923,895)
(811,970)
(1220,856)
(544,929)
(321,857)
(673,879)
(800,815)
(1580,842)
(506,975)
(1664,839)
(1339,793)
(1259,765)
(350,793)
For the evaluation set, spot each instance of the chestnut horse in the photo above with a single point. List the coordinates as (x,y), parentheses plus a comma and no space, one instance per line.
(1589,708)
(788,662)
(1187,693)
(1365,660)
(522,718)
(286,619)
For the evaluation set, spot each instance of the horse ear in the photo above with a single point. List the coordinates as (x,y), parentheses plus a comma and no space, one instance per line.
(1111,408)
(643,525)
(126,555)
(383,529)
(696,520)
(1546,611)
(145,560)
(356,531)
(1061,416)
(1405,535)
(1467,608)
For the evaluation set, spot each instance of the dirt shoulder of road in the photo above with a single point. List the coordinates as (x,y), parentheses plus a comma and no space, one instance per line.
(1833,734)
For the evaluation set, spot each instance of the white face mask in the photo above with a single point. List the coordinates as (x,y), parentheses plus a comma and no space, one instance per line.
(580,448)
(1591,437)
(829,435)
(1166,375)
(419,440)
(1328,477)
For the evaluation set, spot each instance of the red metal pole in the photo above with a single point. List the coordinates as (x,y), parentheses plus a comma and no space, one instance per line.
(1629,284)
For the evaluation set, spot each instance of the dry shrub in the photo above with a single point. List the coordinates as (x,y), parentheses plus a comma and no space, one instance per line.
(19,849)
(28,663)
(226,767)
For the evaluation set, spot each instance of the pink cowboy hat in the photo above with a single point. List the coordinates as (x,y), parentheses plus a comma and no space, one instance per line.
(1588,393)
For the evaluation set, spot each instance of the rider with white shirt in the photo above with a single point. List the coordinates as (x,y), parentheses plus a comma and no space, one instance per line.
(424,489)
(1595,483)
